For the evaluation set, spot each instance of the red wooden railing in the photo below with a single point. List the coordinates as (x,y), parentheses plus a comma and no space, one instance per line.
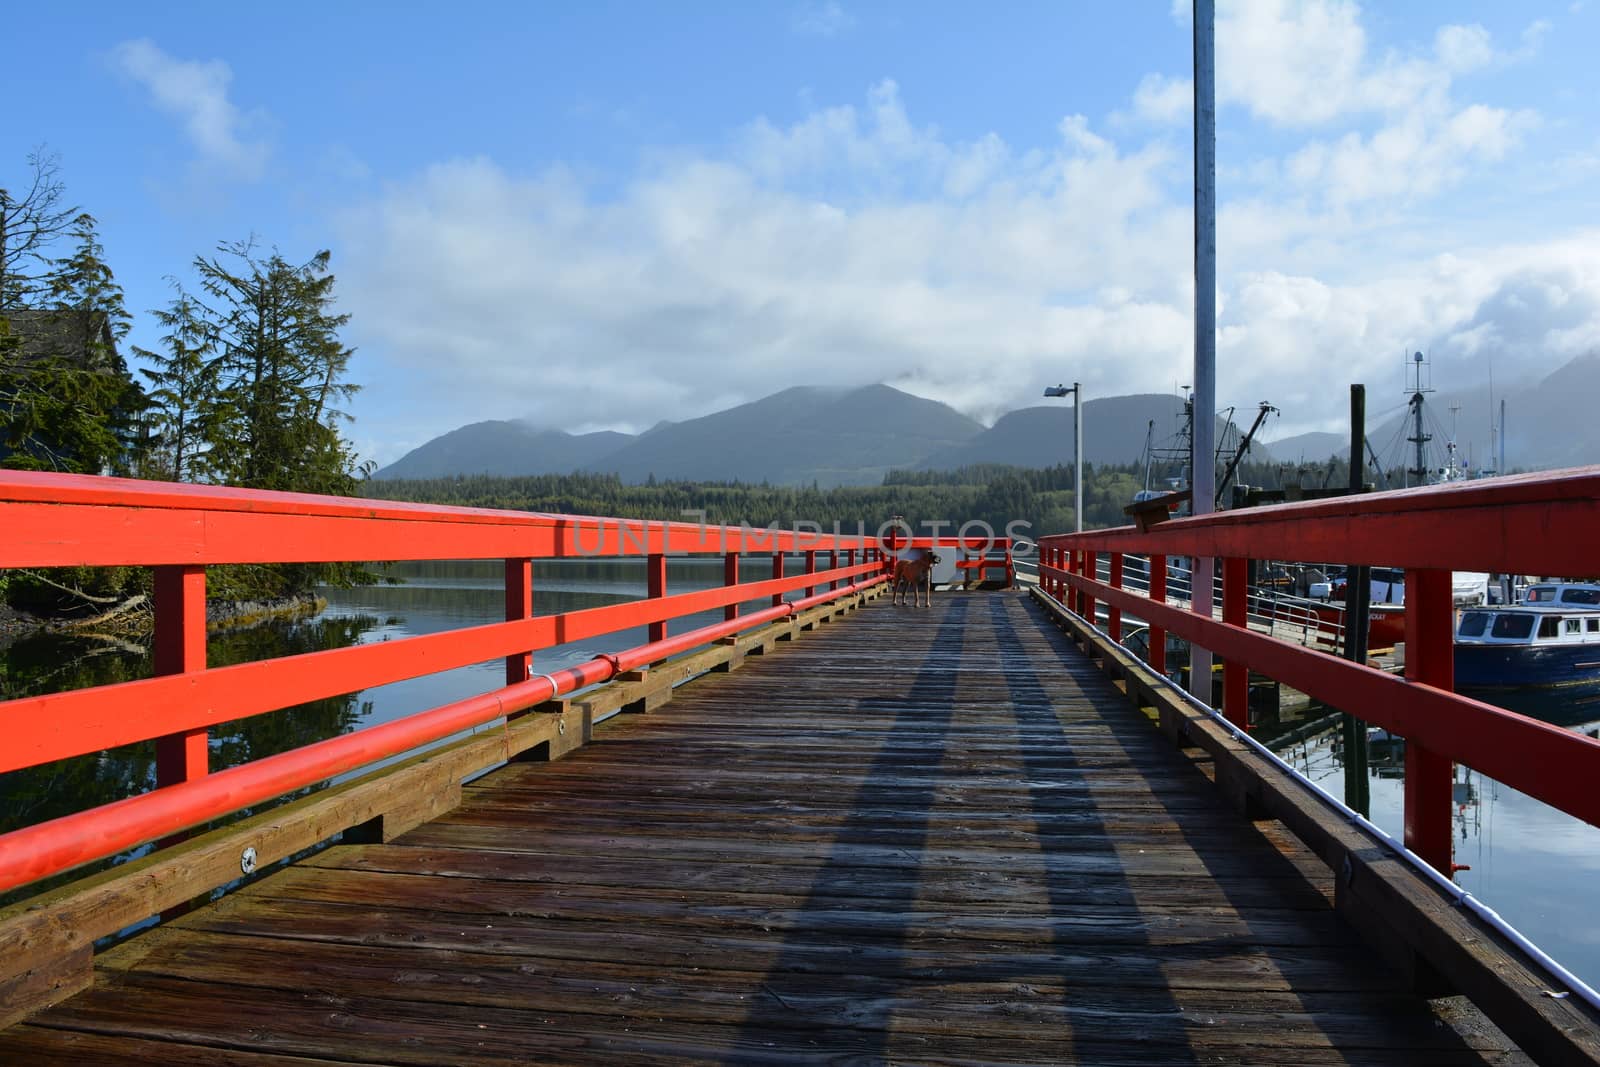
(49,520)
(1531,524)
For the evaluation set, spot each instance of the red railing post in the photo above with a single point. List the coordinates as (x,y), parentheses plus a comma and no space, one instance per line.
(1114,613)
(656,586)
(1235,612)
(1158,593)
(180,647)
(1430,660)
(730,576)
(833,564)
(1091,570)
(777,572)
(519,605)
(811,568)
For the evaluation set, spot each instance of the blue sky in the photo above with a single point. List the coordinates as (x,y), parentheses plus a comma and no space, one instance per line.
(600,215)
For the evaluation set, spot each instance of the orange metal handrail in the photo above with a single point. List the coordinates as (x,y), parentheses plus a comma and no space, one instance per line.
(49,520)
(1538,524)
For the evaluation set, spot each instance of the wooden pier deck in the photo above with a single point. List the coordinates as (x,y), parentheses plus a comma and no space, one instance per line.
(936,836)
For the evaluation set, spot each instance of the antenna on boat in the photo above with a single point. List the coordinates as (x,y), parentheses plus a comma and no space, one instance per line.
(1418,390)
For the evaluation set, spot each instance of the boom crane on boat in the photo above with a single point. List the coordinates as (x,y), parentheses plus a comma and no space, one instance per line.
(1244,446)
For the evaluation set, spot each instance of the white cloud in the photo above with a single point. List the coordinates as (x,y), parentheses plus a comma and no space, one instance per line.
(1291,63)
(196,93)
(1416,155)
(821,19)
(859,245)
(1306,63)
(1463,48)
(849,247)
(1164,100)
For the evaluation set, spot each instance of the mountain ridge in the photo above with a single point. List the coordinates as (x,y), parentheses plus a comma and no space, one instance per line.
(834,435)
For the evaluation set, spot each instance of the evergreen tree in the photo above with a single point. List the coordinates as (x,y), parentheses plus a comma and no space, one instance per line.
(83,281)
(279,369)
(183,394)
(67,401)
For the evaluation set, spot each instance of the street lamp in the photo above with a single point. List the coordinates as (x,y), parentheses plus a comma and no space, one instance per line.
(1077,445)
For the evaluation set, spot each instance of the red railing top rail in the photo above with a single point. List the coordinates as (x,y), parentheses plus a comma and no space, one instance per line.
(125,522)
(1544,523)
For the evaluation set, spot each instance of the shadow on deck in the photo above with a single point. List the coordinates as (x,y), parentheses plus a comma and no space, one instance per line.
(922,836)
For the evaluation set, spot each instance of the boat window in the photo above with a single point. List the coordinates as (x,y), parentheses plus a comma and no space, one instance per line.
(1573,626)
(1473,623)
(1580,596)
(1539,594)
(1549,627)
(1594,625)
(1512,626)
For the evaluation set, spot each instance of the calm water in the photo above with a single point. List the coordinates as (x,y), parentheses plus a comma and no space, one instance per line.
(1532,864)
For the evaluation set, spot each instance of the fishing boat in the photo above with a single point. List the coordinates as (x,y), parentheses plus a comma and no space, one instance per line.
(1537,645)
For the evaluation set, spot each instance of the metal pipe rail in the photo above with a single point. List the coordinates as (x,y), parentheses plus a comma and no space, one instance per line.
(1270,610)
(54,520)
(1538,524)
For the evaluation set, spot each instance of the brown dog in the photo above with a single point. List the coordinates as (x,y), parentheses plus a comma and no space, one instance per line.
(916,574)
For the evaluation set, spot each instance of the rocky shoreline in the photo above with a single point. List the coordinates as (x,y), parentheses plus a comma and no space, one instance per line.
(242,614)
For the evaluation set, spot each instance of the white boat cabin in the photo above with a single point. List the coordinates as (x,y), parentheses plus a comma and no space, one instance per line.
(1526,624)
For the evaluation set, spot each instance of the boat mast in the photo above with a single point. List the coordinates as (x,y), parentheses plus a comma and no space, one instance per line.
(1149,454)
(1418,438)
(1502,467)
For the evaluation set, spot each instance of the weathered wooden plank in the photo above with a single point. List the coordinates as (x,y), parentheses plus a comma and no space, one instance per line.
(321,1022)
(945,1001)
(934,886)
(48,1047)
(666,929)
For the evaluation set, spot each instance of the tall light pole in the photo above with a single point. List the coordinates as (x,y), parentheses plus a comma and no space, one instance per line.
(1202,480)
(1077,446)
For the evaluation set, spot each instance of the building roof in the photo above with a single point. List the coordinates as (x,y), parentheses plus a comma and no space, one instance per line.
(72,333)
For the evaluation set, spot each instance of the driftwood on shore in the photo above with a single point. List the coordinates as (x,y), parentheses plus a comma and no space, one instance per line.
(117,617)
(134,618)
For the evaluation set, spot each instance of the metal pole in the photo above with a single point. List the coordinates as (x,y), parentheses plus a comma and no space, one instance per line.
(1077,454)
(1203,434)
(1357,620)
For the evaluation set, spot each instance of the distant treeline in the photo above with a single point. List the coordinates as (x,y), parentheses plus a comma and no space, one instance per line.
(990,494)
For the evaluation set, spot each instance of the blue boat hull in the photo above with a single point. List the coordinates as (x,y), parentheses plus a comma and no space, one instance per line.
(1569,668)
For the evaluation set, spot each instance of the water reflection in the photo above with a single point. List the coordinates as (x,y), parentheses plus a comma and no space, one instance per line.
(51,663)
